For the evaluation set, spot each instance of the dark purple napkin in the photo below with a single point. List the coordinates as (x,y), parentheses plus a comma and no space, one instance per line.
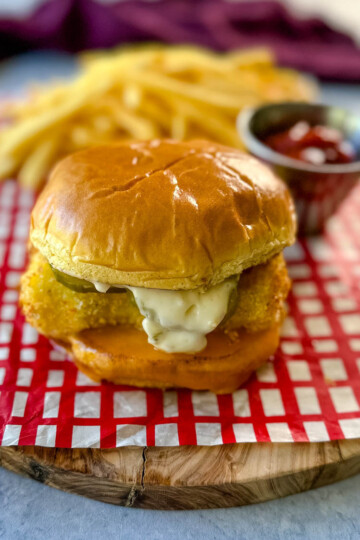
(75,25)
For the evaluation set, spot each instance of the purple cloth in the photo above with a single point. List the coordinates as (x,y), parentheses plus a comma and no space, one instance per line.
(75,25)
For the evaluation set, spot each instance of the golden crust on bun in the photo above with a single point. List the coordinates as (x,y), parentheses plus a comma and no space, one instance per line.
(161,214)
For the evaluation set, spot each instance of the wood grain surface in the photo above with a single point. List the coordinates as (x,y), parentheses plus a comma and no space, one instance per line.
(188,477)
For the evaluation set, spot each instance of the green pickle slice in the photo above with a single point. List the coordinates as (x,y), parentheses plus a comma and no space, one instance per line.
(80,285)
(232,304)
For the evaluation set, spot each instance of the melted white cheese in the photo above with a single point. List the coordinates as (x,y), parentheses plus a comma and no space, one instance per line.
(101,287)
(178,321)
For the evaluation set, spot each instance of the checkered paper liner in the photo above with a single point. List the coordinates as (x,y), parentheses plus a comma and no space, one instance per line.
(309,392)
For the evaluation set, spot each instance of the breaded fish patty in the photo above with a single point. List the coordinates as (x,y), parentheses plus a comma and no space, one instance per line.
(59,312)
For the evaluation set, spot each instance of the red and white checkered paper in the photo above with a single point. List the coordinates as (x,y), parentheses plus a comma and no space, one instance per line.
(310,392)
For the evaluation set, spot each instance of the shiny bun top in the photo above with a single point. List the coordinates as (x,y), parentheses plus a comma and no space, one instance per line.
(161,214)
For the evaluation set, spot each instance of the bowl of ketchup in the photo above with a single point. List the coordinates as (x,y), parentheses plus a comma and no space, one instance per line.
(314,148)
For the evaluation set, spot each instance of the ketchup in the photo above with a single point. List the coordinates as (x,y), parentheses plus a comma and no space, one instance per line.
(313,144)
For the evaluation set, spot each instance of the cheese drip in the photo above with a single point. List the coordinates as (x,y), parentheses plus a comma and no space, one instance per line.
(178,321)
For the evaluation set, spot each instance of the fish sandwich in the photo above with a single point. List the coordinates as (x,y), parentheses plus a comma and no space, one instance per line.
(160,263)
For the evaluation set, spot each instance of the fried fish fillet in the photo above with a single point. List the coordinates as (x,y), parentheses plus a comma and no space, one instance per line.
(59,312)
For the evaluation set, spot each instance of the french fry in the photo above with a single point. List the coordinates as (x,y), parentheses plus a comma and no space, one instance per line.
(7,167)
(150,108)
(38,163)
(81,137)
(178,127)
(218,127)
(165,85)
(136,126)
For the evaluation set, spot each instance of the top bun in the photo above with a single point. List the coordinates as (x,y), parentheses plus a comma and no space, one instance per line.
(161,214)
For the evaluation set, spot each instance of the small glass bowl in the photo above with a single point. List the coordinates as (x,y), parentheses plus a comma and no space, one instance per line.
(317,190)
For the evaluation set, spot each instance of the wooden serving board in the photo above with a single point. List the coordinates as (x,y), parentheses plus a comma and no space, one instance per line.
(188,477)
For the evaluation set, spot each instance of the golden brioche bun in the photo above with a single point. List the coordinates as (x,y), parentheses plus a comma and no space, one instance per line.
(123,355)
(161,214)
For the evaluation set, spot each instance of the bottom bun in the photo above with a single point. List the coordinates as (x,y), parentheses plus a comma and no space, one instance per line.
(122,355)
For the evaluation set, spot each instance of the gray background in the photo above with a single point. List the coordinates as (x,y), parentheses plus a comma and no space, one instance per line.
(29,510)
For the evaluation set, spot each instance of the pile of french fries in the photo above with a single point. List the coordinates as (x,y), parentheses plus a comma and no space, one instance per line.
(140,92)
